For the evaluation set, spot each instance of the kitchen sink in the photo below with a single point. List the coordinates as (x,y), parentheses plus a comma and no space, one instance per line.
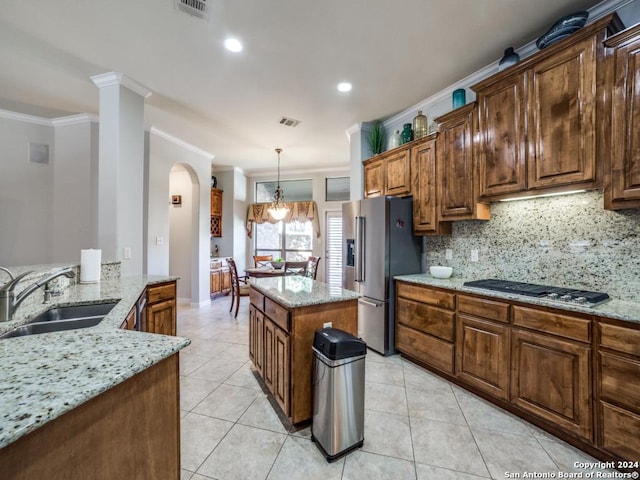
(63,318)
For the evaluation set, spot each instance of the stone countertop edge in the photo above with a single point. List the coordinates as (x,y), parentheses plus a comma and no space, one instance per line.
(615,309)
(294,291)
(44,376)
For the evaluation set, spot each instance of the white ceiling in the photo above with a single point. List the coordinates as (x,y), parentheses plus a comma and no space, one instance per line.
(396,54)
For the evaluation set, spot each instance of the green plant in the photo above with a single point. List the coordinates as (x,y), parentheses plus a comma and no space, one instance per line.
(279,259)
(377,137)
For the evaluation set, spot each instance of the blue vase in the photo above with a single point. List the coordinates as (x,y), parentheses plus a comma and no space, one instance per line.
(510,58)
(459,98)
(407,133)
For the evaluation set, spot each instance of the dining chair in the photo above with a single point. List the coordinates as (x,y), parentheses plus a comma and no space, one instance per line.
(312,267)
(239,285)
(295,268)
(262,260)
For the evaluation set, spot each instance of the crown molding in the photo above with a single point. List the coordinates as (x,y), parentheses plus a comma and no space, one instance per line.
(74,119)
(353,129)
(598,11)
(181,143)
(23,117)
(116,78)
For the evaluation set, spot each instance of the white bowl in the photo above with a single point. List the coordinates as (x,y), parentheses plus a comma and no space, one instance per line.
(440,272)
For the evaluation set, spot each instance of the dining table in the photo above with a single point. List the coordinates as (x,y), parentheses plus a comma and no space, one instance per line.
(261,272)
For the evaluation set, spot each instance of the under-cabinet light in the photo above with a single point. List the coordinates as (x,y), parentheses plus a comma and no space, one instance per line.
(542,195)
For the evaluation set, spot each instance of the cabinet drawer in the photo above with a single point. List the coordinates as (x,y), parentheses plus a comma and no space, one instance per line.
(622,339)
(278,314)
(551,322)
(427,295)
(425,318)
(482,307)
(621,432)
(430,350)
(257,299)
(159,293)
(620,380)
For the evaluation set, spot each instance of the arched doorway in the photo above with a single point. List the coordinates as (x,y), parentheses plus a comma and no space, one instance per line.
(183,229)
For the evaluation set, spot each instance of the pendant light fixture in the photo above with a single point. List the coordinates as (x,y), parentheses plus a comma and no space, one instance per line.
(278,210)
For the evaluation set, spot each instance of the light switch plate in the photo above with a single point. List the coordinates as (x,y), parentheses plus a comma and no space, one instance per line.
(474,255)
(127,253)
(448,254)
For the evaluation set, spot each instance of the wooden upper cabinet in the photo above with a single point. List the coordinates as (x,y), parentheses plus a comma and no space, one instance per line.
(424,189)
(216,212)
(373,178)
(397,169)
(502,137)
(455,168)
(216,202)
(388,174)
(562,116)
(622,179)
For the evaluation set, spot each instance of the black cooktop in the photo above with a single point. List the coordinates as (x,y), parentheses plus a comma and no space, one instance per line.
(569,295)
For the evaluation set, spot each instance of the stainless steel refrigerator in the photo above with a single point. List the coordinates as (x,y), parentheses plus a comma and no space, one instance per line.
(378,245)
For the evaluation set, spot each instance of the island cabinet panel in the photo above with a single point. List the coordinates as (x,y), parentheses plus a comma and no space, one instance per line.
(280,347)
(619,390)
(373,178)
(502,137)
(622,181)
(482,344)
(256,339)
(562,115)
(551,378)
(161,308)
(130,431)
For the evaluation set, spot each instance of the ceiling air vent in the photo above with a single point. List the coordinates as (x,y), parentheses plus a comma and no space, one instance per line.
(289,122)
(197,8)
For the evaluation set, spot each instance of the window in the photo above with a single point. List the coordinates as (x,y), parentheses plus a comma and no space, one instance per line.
(337,189)
(290,241)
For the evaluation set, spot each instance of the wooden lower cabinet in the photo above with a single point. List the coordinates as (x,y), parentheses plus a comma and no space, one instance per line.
(619,391)
(219,278)
(161,312)
(130,321)
(573,374)
(550,378)
(482,354)
(281,367)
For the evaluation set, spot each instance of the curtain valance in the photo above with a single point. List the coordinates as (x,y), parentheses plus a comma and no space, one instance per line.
(298,211)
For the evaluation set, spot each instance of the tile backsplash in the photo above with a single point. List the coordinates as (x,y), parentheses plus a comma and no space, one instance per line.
(567,240)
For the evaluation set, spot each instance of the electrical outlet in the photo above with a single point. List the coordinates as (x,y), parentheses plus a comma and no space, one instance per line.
(127,253)
(327,325)
(474,255)
(159,241)
(448,254)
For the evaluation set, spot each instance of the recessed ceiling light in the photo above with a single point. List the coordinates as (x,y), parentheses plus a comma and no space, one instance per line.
(233,45)
(344,87)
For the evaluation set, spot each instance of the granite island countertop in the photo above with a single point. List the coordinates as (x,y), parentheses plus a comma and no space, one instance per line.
(294,291)
(618,309)
(44,376)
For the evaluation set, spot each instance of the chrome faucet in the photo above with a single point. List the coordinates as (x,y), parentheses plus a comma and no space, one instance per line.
(9,301)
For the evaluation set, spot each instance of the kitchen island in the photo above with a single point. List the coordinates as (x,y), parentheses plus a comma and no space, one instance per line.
(97,402)
(284,314)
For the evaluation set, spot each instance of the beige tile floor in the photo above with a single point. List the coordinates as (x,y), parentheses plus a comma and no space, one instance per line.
(417,426)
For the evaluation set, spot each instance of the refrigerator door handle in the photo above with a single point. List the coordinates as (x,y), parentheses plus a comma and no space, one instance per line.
(360,253)
(371,304)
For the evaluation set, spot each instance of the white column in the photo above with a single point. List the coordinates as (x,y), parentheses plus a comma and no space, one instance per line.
(358,151)
(121,170)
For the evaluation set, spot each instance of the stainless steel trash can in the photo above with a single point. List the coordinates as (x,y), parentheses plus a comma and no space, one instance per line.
(338,392)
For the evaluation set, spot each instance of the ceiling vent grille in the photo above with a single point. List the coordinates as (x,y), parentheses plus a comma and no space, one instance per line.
(197,8)
(289,122)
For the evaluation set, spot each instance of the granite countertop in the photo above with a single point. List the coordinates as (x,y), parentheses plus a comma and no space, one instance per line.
(618,309)
(294,291)
(43,376)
